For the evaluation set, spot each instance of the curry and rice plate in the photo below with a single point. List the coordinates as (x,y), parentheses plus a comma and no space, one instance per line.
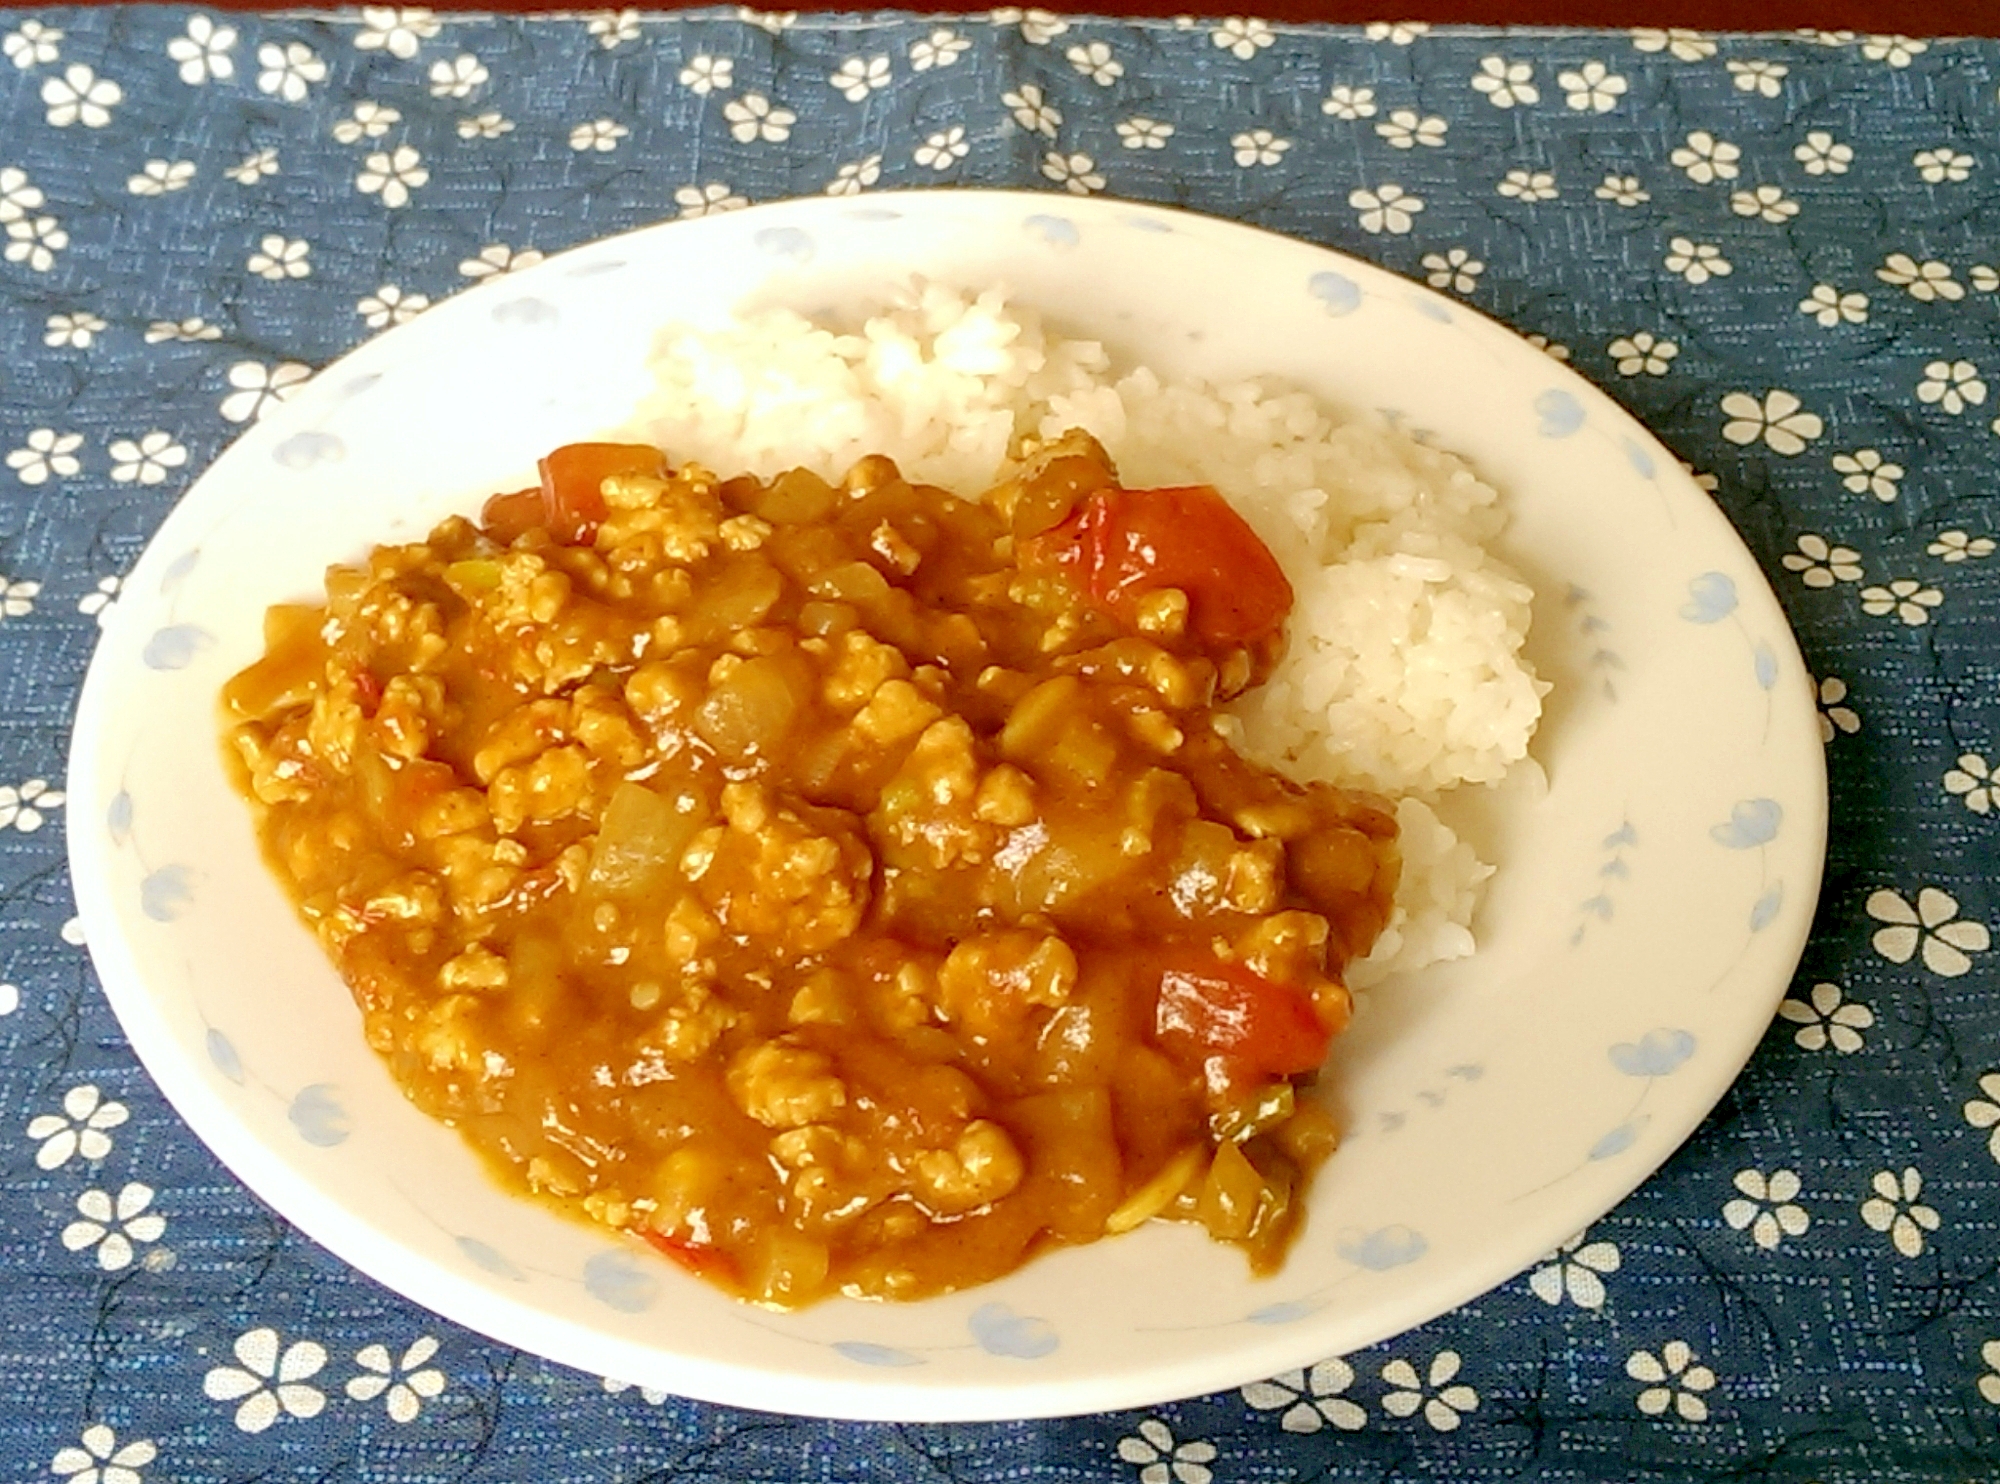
(912,820)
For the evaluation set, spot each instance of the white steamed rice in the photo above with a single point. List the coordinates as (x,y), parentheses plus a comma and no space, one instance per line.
(1404,671)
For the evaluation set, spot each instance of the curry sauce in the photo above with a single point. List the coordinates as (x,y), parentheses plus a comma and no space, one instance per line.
(843,888)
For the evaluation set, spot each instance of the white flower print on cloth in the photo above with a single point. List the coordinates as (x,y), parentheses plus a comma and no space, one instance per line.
(1942,166)
(1866,472)
(1893,1207)
(100,600)
(1960,546)
(1643,353)
(708,200)
(461,77)
(652,1396)
(1897,51)
(855,177)
(1909,600)
(498,257)
(488,125)
(1397,33)
(1444,1404)
(1622,190)
(1161,1459)
(159,177)
(1821,565)
(80,96)
(257,388)
(32,44)
(1144,133)
(23,807)
(17,600)
(18,195)
(755,117)
(35,242)
(1831,307)
(1767,203)
(113,1224)
(1985,277)
(102,1459)
(1972,782)
(1952,386)
(368,120)
(705,74)
(1677,42)
(601,135)
(1767,1206)
(10,998)
(1457,270)
(76,330)
(1528,185)
(187,331)
(279,258)
(409,1381)
(390,305)
(1822,154)
(1591,88)
(857,77)
(1032,111)
(1697,262)
(288,72)
(1388,208)
(270,1381)
(81,1128)
(1076,174)
(1674,1379)
(1989,1384)
(1827,1017)
(393,174)
(1506,83)
(1310,1398)
(1985,1112)
(1257,147)
(254,167)
(772,21)
(1780,420)
(147,459)
(942,48)
(1038,27)
(613,28)
(1406,129)
(1705,159)
(1924,281)
(1095,62)
(203,53)
(1242,37)
(44,455)
(398,32)
(1766,79)
(943,150)
(1932,925)
(1834,714)
(1576,1270)
(1343,102)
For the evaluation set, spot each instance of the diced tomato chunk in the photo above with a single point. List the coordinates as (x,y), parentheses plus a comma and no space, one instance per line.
(703,1261)
(1259,1028)
(570,502)
(1125,544)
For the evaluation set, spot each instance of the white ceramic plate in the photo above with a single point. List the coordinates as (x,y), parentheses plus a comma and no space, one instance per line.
(1649,912)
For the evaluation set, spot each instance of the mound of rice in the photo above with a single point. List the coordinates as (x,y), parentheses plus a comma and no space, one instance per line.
(1404,671)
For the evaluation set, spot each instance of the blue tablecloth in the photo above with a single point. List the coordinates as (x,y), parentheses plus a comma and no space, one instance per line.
(1780,251)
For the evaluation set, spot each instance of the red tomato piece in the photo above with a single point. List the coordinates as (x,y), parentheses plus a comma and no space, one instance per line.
(1128,543)
(1257,1027)
(704,1262)
(508,516)
(573,483)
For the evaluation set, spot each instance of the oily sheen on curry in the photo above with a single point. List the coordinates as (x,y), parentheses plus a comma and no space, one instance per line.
(841,887)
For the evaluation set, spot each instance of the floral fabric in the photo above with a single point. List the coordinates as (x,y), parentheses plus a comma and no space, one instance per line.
(1779,251)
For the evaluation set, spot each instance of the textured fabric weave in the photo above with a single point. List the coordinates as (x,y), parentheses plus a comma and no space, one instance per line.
(1781,252)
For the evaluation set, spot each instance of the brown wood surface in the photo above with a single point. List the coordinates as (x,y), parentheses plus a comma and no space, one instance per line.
(1909,17)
